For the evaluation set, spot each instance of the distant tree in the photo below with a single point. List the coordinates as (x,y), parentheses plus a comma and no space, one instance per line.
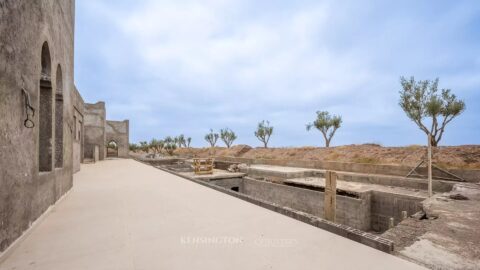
(170,145)
(263,132)
(156,146)
(327,124)
(188,142)
(421,100)
(133,147)
(180,140)
(144,146)
(228,136)
(212,138)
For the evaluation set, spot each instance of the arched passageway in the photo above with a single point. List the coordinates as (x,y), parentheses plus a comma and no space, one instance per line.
(112,149)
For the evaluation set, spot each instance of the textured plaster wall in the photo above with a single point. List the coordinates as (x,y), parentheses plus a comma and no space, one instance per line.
(94,126)
(78,130)
(118,131)
(24,27)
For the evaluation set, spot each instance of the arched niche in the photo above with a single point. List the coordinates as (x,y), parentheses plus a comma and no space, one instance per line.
(45,115)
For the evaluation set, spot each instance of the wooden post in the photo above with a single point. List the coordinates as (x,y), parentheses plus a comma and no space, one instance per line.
(429,157)
(330,196)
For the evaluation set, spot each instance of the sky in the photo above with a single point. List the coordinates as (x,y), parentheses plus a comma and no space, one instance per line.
(184,67)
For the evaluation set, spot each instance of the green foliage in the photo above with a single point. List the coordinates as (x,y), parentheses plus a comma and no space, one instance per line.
(170,145)
(327,124)
(421,100)
(263,132)
(188,142)
(181,141)
(112,145)
(133,147)
(156,145)
(144,146)
(212,138)
(228,136)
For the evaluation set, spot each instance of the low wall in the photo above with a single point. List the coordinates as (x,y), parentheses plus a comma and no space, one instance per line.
(371,211)
(396,170)
(352,212)
(159,162)
(385,206)
(230,184)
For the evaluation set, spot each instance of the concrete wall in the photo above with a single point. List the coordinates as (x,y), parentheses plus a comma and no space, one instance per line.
(118,131)
(94,126)
(370,211)
(25,26)
(353,212)
(386,206)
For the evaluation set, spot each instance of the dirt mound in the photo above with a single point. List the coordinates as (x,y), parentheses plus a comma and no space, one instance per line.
(234,151)
(465,157)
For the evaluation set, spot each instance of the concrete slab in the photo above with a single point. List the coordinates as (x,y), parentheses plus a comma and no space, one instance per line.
(123,214)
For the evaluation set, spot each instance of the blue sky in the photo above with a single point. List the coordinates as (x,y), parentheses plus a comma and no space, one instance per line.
(183,67)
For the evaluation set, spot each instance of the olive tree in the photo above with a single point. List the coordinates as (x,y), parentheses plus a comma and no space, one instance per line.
(169,145)
(133,147)
(228,136)
(212,138)
(180,140)
(157,146)
(421,100)
(144,146)
(327,124)
(263,132)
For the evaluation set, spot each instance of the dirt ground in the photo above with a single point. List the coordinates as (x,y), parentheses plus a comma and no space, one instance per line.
(462,157)
(447,236)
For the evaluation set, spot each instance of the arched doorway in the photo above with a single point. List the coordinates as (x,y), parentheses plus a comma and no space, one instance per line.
(112,149)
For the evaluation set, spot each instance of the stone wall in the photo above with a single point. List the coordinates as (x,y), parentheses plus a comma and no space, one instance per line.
(94,126)
(118,131)
(36,45)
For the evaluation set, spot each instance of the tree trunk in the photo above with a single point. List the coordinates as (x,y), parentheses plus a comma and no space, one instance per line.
(265,144)
(434,142)
(327,141)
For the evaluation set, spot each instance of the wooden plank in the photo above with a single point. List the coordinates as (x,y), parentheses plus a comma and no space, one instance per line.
(330,196)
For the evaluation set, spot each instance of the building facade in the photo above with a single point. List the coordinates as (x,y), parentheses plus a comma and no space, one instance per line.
(42,115)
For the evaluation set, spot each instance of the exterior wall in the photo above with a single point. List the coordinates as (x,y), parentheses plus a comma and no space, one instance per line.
(94,126)
(25,26)
(78,130)
(118,131)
